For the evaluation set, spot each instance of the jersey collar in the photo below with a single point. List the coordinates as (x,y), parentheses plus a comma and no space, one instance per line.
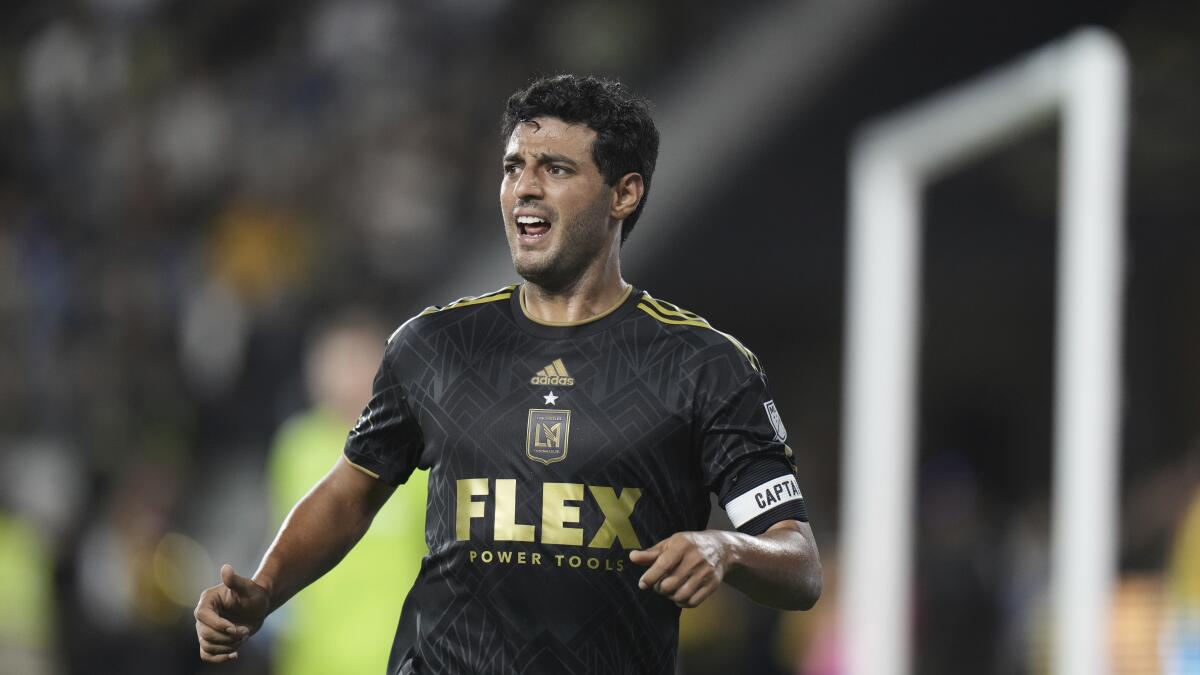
(575,328)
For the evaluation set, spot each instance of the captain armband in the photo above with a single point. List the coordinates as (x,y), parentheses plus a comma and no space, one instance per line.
(760,493)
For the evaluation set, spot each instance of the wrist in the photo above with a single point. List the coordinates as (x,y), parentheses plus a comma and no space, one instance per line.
(730,548)
(265,582)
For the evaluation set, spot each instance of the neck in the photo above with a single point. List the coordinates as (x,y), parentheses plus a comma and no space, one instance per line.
(587,297)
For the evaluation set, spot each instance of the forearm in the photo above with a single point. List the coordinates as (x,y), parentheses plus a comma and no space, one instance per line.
(320,530)
(780,568)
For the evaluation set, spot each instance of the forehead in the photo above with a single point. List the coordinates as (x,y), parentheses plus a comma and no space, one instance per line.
(551,135)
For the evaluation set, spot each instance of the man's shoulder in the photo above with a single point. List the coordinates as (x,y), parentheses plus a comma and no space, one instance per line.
(433,315)
(693,328)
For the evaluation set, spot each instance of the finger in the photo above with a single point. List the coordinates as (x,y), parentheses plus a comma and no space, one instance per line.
(215,650)
(700,595)
(237,584)
(643,557)
(666,562)
(646,556)
(690,570)
(673,583)
(687,584)
(217,658)
(210,636)
(683,580)
(206,615)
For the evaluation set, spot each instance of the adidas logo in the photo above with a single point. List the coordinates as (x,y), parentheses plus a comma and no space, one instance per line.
(553,374)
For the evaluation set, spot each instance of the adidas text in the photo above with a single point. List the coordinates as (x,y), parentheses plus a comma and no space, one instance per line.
(552,380)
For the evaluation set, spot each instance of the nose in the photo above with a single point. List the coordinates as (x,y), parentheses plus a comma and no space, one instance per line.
(527,186)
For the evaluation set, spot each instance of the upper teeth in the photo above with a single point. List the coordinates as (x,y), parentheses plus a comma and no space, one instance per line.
(529,220)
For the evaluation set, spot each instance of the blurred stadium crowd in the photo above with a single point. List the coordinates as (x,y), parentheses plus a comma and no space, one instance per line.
(186,189)
(194,196)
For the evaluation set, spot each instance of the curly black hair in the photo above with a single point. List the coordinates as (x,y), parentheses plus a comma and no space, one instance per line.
(626,138)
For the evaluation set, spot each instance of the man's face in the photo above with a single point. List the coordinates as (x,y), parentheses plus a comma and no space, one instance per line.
(554,201)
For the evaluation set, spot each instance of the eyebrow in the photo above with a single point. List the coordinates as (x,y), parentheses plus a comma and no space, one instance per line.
(544,158)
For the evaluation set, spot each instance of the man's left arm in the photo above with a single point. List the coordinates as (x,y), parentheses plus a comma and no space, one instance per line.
(780,568)
(745,461)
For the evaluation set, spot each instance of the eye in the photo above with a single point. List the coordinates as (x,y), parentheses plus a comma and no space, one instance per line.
(511,169)
(558,170)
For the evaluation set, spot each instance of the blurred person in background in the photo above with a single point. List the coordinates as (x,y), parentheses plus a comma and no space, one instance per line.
(28,535)
(1181,639)
(318,636)
(130,572)
(26,591)
(484,389)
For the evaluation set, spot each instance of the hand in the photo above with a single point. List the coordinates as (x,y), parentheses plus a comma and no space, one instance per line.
(228,614)
(686,567)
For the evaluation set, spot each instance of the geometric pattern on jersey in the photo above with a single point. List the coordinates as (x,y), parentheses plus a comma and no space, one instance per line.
(528,569)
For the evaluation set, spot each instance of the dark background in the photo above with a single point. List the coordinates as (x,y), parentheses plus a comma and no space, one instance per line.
(188,188)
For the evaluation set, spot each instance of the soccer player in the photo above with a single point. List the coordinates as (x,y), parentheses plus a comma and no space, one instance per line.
(573,427)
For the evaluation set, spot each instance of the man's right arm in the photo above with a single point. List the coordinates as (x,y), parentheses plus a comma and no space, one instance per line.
(321,529)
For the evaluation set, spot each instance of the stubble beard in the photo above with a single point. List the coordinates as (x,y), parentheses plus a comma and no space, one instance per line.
(579,244)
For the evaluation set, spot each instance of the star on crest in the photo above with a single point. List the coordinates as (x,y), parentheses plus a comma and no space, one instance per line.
(550,398)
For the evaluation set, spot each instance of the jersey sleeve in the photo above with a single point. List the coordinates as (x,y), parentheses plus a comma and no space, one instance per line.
(744,455)
(386,441)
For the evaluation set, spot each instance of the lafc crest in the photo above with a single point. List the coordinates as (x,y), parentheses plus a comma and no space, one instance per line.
(546,435)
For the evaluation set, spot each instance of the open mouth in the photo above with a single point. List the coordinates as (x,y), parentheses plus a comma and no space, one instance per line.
(533,227)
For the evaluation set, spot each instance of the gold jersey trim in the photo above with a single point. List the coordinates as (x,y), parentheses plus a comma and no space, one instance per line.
(601,315)
(671,314)
(363,469)
(499,294)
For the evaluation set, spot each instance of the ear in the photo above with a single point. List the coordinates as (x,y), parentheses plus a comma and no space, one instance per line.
(626,195)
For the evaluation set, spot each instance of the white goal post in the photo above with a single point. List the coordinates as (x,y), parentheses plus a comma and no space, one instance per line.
(1083,76)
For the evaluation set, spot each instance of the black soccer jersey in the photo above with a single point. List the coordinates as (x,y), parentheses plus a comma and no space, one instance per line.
(553,451)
